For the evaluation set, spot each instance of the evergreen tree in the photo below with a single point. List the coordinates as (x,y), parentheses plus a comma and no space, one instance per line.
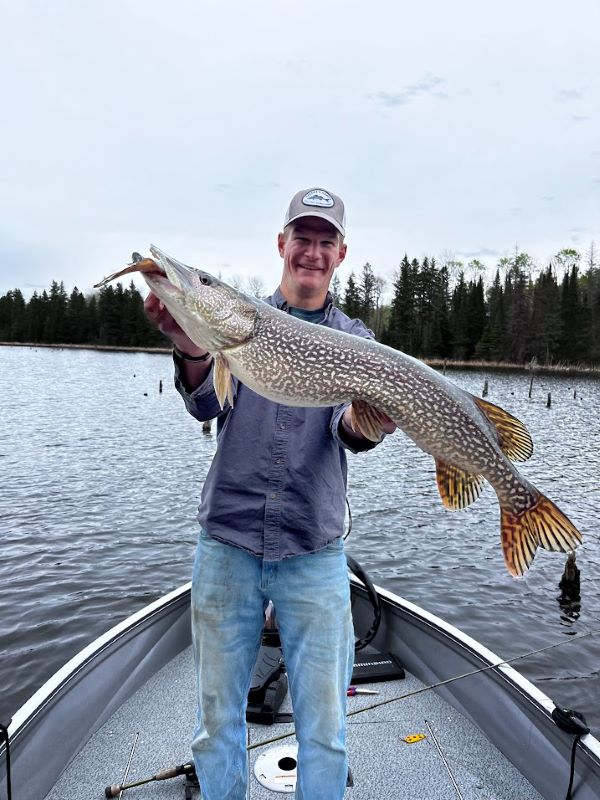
(476,317)
(574,333)
(545,317)
(352,299)
(35,319)
(401,330)
(366,293)
(76,322)
(335,288)
(459,319)
(441,335)
(13,321)
(109,314)
(517,296)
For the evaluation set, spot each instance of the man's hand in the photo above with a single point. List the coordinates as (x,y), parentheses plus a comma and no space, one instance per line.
(386,424)
(159,315)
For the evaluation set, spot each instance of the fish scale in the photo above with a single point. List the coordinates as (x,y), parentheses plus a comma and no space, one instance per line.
(299,363)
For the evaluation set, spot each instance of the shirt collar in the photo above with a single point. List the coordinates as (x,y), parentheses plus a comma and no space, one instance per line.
(278,300)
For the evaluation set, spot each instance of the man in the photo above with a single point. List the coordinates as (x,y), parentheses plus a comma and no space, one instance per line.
(271,516)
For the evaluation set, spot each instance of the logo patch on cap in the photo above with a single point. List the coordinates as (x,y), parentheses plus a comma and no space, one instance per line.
(319,198)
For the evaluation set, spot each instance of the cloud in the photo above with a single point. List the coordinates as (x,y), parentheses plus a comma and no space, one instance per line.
(568,95)
(483,252)
(410,92)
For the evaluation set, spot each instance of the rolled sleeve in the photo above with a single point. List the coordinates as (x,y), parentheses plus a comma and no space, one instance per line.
(202,402)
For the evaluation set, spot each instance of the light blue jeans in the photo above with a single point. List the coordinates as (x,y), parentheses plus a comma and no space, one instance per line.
(311,595)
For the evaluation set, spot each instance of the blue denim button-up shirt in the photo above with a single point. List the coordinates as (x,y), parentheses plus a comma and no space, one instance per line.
(277,483)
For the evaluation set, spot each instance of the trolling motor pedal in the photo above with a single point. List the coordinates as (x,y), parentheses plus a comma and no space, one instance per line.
(268,687)
(269,683)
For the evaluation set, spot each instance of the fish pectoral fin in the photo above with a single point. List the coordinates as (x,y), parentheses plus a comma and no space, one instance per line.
(222,380)
(366,419)
(143,265)
(457,488)
(543,524)
(514,438)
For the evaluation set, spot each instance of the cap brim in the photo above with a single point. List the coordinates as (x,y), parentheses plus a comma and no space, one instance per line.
(321,215)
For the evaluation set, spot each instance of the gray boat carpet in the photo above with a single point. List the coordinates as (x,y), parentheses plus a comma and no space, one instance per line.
(159,721)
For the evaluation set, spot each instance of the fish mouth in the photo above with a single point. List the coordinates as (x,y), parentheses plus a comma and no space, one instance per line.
(179,275)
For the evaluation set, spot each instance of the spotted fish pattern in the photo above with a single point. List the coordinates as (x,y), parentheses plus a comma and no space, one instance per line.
(298,363)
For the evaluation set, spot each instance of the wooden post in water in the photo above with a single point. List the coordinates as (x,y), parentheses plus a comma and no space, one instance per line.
(160,387)
(570,588)
(485,389)
(549,400)
(206,425)
(575,395)
(531,366)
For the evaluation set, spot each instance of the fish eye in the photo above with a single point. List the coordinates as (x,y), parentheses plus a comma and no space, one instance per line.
(204,279)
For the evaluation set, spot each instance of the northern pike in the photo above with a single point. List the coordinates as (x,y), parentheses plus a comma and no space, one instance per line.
(298,363)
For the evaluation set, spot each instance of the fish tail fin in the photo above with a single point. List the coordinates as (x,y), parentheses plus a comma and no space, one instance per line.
(542,524)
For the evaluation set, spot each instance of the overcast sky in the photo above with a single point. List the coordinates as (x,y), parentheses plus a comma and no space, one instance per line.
(457,129)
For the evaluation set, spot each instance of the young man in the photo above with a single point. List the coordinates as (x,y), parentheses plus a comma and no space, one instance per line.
(271,517)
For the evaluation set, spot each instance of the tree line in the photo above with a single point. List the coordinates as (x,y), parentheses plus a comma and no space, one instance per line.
(447,311)
(112,316)
(524,314)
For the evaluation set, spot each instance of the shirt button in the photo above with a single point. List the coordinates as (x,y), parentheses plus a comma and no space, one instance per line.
(279,461)
(273,495)
(282,426)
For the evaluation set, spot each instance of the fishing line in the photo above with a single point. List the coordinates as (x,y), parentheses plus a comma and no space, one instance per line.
(414,692)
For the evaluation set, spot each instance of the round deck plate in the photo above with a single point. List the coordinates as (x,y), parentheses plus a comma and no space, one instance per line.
(276,768)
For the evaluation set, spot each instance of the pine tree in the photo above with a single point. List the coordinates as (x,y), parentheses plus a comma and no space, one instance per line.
(335,289)
(401,330)
(366,293)
(352,299)
(545,317)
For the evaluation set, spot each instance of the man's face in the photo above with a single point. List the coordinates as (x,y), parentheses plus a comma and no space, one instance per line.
(311,251)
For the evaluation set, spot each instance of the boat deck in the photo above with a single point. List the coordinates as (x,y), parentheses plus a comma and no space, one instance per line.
(159,719)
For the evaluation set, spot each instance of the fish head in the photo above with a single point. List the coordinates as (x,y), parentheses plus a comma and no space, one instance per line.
(212,313)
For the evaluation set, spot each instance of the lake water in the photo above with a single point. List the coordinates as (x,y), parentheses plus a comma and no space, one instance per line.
(100,476)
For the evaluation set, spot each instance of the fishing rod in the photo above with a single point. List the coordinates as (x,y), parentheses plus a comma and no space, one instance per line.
(444,682)
(183,769)
(445,760)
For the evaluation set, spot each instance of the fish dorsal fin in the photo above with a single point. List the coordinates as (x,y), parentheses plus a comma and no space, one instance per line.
(515,441)
(222,380)
(457,488)
(365,419)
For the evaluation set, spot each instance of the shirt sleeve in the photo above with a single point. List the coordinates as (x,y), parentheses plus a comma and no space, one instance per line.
(202,402)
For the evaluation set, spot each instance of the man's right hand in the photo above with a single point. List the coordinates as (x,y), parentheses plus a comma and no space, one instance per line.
(160,316)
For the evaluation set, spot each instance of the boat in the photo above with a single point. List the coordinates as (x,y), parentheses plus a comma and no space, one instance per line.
(462,722)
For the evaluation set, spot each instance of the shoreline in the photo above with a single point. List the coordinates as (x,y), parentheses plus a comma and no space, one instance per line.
(436,363)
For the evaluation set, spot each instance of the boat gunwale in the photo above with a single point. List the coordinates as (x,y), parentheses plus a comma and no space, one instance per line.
(61,678)
(494,665)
